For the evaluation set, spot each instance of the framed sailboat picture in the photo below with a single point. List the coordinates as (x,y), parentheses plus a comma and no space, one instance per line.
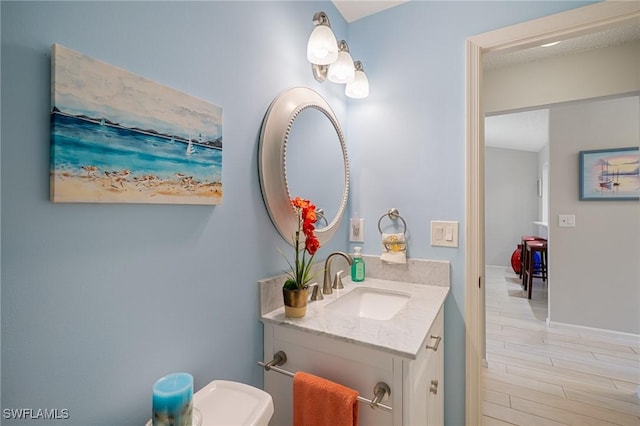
(610,174)
(120,138)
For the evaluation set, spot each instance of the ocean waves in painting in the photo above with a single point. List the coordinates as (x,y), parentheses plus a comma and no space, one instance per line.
(126,159)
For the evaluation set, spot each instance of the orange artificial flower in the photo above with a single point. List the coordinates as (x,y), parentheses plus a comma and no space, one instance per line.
(312,244)
(300,273)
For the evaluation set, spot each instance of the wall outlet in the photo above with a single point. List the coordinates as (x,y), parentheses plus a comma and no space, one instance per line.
(444,233)
(567,220)
(356,231)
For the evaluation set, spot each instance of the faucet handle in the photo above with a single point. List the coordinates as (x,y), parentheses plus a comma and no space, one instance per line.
(337,281)
(316,294)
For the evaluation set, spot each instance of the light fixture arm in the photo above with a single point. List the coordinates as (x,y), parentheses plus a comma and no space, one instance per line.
(320,72)
(321,18)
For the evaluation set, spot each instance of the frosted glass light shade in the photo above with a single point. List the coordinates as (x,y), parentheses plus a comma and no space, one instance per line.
(342,70)
(359,87)
(322,47)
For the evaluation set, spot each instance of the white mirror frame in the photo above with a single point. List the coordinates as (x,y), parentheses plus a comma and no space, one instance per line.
(274,136)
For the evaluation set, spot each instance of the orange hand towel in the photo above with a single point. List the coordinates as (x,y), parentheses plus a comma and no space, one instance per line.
(320,402)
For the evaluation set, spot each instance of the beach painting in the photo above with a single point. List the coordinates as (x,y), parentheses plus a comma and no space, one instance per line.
(610,174)
(120,138)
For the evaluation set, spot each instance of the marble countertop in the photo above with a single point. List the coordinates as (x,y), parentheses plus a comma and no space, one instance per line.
(401,335)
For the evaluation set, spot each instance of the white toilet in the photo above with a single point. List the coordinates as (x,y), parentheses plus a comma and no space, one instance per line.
(225,403)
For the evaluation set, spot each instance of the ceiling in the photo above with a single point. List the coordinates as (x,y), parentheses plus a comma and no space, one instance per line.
(503,130)
(622,33)
(352,10)
(523,131)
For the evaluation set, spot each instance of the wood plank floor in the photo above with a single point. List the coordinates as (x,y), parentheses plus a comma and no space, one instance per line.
(540,375)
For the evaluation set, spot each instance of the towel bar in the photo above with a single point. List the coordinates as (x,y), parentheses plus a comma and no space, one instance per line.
(381,390)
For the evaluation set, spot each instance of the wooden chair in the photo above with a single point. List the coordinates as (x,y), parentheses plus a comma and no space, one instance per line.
(522,245)
(531,269)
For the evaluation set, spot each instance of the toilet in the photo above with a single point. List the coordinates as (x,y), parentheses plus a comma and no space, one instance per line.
(226,403)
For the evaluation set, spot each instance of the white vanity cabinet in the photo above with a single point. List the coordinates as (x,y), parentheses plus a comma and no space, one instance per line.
(416,384)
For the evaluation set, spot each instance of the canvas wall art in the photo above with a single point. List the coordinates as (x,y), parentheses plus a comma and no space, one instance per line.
(117,137)
(610,174)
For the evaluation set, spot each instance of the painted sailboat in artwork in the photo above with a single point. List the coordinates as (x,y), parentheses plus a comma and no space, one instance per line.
(605,178)
(190,148)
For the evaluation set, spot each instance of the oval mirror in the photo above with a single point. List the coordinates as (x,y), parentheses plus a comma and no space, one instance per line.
(303,153)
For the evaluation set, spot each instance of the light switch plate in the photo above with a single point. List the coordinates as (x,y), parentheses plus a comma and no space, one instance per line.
(444,233)
(356,230)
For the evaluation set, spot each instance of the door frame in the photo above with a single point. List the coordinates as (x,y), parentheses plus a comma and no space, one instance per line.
(573,23)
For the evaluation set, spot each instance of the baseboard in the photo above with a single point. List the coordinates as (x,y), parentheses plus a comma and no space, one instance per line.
(599,330)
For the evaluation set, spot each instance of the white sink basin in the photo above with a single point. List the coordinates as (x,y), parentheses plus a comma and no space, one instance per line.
(370,303)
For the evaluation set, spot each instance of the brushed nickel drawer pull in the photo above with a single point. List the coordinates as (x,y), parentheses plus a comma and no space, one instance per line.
(435,347)
(434,387)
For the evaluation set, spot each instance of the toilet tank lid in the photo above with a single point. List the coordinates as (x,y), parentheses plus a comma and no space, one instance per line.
(224,402)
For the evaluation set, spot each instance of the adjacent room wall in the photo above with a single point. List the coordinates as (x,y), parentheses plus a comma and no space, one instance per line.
(570,77)
(511,201)
(594,270)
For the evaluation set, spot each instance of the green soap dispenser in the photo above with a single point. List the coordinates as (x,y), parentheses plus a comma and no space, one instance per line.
(357,267)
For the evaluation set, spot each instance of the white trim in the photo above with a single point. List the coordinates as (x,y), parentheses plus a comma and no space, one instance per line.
(595,17)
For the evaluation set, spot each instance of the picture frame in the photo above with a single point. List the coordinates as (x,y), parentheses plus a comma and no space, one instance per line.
(117,137)
(610,174)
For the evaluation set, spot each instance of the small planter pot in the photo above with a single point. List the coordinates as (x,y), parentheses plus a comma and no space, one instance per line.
(295,302)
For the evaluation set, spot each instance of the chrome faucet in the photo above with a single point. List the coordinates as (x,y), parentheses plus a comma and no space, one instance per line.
(326,285)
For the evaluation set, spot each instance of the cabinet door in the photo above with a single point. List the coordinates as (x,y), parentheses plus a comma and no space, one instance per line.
(416,399)
(435,385)
(350,365)
(423,387)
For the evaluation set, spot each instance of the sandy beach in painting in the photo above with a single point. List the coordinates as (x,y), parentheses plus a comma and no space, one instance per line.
(120,188)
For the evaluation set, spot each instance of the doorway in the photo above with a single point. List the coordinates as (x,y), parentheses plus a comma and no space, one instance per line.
(516,152)
(565,25)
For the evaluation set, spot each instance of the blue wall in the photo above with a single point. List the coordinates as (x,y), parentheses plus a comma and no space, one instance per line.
(98,301)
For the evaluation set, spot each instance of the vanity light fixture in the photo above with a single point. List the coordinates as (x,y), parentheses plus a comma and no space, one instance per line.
(359,87)
(331,59)
(322,47)
(342,70)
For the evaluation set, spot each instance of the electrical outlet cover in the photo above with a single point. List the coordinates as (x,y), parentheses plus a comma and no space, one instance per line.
(356,230)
